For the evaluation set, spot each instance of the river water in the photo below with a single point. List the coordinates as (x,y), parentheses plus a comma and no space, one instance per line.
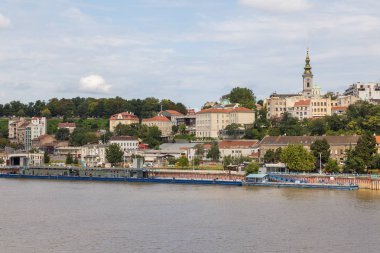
(50,216)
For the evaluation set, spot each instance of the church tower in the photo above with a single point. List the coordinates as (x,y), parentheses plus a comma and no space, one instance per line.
(307,77)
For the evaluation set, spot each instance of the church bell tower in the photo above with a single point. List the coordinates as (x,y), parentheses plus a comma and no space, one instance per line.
(307,77)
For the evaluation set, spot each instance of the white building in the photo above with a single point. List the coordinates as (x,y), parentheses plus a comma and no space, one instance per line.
(24,131)
(94,155)
(128,144)
(364,91)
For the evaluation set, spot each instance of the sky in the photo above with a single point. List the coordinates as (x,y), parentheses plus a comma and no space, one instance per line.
(189,51)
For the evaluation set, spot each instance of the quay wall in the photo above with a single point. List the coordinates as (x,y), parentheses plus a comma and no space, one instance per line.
(362,181)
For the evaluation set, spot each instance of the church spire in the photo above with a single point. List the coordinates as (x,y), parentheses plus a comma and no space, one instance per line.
(307,65)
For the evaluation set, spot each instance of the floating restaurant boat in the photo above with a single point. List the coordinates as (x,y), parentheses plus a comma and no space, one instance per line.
(275,181)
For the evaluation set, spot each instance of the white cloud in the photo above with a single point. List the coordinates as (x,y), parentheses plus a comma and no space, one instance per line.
(4,22)
(278,5)
(94,84)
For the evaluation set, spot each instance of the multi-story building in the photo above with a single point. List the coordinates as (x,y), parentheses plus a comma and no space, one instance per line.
(338,144)
(128,144)
(188,120)
(163,123)
(24,131)
(172,115)
(210,121)
(124,118)
(365,91)
(236,148)
(94,155)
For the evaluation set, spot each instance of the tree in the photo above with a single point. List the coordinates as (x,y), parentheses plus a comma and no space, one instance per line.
(62,134)
(183,161)
(365,149)
(269,156)
(332,166)
(76,161)
(46,158)
(376,162)
(318,127)
(69,159)
(321,147)
(252,167)
(214,152)
(297,158)
(81,137)
(199,150)
(233,130)
(182,129)
(243,96)
(114,154)
(174,129)
(353,163)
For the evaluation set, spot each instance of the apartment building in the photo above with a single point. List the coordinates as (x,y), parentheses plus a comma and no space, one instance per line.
(210,121)
(24,131)
(369,91)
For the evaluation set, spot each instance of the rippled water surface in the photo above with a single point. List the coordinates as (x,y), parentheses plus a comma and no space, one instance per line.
(51,216)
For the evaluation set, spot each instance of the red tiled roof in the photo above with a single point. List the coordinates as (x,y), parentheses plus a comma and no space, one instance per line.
(157,118)
(339,108)
(377,139)
(302,103)
(174,113)
(124,116)
(236,143)
(66,124)
(222,110)
(123,138)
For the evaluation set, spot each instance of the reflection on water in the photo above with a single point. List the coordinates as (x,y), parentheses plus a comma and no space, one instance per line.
(48,216)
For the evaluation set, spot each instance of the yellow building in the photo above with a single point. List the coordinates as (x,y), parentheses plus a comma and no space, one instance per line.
(124,118)
(210,121)
(163,123)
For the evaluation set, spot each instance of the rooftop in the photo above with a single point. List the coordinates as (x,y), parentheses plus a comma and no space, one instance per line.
(236,144)
(123,138)
(223,110)
(124,116)
(157,118)
(302,103)
(307,140)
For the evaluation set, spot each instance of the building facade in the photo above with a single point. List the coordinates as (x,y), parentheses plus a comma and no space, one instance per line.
(163,123)
(210,121)
(338,144)
(124,118)
(364,91)
(128,144)
(94,155)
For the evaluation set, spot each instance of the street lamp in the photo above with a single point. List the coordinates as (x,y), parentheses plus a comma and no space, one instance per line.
(320,162)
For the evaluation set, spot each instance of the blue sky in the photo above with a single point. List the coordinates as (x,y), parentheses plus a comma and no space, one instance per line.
(191,51)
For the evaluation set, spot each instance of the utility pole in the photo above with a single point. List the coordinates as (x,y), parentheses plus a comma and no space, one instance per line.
(320,163)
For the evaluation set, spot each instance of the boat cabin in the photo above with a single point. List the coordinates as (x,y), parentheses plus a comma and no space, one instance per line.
(257,178)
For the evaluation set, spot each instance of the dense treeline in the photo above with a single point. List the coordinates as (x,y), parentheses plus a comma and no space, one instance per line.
(360,118)
(89,107)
